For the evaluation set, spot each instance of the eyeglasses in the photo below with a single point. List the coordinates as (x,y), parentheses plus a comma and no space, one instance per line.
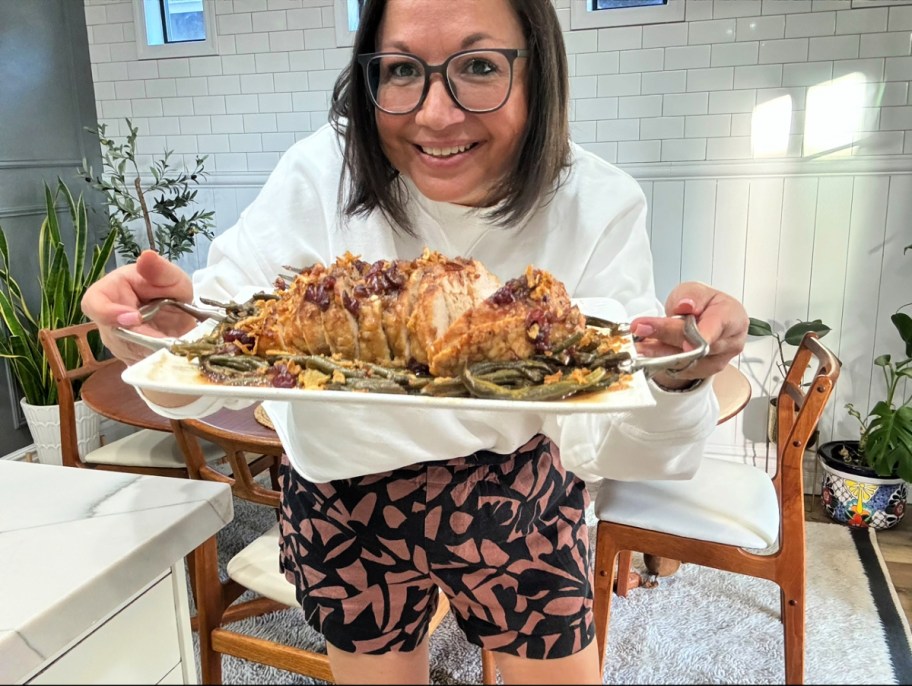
(479,81)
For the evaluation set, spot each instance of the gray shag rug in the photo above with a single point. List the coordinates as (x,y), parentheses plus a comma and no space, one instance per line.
(698,626)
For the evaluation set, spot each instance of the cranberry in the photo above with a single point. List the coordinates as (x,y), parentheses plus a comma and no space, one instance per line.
(281,378)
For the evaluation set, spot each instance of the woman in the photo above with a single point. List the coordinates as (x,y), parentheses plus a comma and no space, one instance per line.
(451,132)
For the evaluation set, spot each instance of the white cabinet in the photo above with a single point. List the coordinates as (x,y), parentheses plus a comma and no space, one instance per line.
(147,641)
(114,607)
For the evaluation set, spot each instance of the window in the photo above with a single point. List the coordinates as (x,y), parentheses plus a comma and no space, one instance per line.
(596,14)
(347,13)
(618,4)
(860,4)
(174,28)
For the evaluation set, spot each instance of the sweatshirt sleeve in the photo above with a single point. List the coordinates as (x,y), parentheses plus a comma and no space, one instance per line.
(661,442)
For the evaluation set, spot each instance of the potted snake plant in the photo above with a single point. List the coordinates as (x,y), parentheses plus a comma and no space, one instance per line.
(64,274)
(865,478)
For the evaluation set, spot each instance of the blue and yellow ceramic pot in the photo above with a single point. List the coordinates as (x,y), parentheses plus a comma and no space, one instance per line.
(855,495)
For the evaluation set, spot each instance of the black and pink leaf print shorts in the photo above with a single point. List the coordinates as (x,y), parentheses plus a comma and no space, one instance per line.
(503,536)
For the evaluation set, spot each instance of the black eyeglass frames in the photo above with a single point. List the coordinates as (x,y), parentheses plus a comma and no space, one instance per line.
(479,81)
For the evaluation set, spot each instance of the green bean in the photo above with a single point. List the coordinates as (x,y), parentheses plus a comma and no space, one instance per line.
(510,376)
(613,360)
(399,375)
(230,375)
(368,384)
(323,364)
(612,328)
(554,391)
(567,343)
(241,363)
(195,348)
(449,387)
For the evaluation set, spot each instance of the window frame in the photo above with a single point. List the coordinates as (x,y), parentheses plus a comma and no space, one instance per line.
(581,18)
(342,11)
(144,51)
(862,4)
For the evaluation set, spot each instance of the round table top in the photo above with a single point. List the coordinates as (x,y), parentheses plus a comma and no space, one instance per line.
(110,396)
(733,390)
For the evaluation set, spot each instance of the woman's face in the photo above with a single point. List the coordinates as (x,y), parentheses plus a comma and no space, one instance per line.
(452,155)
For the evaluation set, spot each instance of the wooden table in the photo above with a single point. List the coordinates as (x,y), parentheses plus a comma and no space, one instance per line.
(107,394)
(733,391)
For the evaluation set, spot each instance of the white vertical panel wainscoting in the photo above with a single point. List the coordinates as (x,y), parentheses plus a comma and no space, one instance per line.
(825,242)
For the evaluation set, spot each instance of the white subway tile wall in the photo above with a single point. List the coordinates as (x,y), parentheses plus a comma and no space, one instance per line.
(272,80)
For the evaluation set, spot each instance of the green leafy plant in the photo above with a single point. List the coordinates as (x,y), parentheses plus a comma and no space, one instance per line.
(63,280)
(157,203)
(785,336)
(885,437)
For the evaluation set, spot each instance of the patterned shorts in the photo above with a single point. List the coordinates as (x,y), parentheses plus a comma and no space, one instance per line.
(504,537)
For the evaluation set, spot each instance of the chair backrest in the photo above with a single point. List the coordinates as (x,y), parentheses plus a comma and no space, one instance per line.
(238,448)
(800,405)
(59,345)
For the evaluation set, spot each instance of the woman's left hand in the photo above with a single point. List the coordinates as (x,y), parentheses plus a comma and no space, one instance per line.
(721,319)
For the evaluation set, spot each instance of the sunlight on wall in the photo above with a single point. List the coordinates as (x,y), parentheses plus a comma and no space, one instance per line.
(834,115)
(771,124)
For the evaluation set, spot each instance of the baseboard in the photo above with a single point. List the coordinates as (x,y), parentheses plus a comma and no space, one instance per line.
(26,454)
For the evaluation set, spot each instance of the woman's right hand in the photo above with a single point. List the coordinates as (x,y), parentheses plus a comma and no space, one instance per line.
(114,300)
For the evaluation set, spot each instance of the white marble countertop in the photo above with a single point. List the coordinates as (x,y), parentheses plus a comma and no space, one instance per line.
(75,544)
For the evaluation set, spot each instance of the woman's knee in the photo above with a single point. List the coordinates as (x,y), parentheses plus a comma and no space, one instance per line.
(394,667)
(581,667)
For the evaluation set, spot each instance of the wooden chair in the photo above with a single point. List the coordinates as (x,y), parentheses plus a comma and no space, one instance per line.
(255,568)
(144,451)
(725,509)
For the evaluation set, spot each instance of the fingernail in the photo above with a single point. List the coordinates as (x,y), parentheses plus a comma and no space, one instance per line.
(128,319)
(689,303)
(643,331)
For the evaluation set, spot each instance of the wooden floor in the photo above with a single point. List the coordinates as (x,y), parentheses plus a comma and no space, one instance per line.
(895,546)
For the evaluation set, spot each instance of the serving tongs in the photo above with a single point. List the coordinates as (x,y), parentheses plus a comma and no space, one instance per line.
(649,365)
(151,309)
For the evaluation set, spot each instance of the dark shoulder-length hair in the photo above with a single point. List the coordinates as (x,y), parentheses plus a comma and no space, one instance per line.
(369,182)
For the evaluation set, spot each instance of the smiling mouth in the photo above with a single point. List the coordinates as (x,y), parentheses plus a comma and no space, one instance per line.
(447,151)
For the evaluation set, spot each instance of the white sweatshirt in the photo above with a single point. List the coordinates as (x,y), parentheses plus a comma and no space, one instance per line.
(591,235)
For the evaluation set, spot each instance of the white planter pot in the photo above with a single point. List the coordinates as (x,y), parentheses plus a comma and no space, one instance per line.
(44,425)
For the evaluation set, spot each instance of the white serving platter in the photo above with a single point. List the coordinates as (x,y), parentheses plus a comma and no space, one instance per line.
(162,371)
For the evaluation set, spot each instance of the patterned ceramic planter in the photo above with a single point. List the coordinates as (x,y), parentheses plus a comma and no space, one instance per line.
(856,496)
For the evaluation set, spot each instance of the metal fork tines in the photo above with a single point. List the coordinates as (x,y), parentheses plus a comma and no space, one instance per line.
(151,309)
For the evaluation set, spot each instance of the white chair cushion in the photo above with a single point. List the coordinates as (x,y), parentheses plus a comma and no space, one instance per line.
(725,502)
(257,567)
(148,448)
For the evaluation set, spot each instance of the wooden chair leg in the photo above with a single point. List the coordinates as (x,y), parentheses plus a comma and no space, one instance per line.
(606,553)
(623,582)
(209,607)
(274,474)
(488,668)
(793,630)
(191,573)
